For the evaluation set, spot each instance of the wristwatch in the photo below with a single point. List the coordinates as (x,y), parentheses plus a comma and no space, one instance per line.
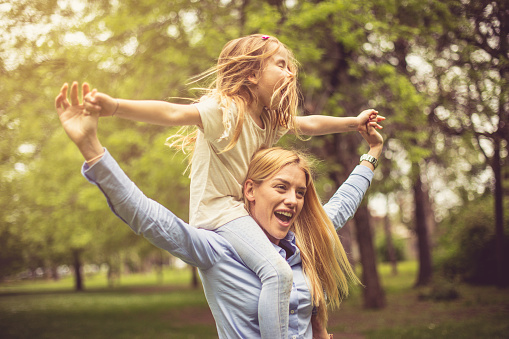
(369,158)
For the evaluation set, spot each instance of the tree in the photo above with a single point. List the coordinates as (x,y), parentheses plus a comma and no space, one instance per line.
(332,85)
(473,78)
(53,202)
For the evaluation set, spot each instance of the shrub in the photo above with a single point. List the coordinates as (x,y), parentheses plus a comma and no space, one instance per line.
(467,246)
(382,252)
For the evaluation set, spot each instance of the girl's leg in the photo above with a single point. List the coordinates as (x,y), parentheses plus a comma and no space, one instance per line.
(276,276)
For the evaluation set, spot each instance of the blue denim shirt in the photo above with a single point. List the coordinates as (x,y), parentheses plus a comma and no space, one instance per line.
(232,290)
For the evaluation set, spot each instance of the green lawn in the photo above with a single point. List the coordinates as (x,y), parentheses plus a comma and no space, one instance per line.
(141,307)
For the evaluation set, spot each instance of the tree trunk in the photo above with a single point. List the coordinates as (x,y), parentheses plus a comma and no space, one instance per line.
(374,296)
(160,267)
(391,252)
(345,235)
(54,273)
(502,275)
(77,270)
(194,280)
(421,229)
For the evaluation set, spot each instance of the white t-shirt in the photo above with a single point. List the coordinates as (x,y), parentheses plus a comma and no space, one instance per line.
(216,179)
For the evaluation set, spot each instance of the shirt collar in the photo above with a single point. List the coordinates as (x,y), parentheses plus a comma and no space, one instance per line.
(289,242)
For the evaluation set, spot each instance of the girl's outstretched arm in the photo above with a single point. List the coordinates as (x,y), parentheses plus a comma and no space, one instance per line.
(323,124)
(150,111)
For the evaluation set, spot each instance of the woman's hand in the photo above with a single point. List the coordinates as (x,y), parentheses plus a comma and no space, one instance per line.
(319,331)
(79,124)
(375,141)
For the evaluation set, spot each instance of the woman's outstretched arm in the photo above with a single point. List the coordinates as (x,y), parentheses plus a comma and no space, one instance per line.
(345,202)
(145,216)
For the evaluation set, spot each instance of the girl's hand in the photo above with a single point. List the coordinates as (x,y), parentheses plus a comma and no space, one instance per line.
(100,103)
(367,118)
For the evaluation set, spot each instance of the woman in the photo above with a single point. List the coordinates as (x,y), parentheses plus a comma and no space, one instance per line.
(280,196)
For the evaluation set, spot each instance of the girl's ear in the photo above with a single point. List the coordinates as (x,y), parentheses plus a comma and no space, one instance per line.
(249,187)
(253,79)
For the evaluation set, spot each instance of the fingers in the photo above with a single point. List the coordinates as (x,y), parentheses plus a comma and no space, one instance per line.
(374,119)
(375,125)
(61,99)
(74,94)
(58,102)
(85,90)
(91,103)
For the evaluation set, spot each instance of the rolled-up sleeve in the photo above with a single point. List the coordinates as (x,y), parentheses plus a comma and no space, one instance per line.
(343,204)
(149,218)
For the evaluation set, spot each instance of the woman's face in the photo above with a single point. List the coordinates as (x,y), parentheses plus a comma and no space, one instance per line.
(277,201)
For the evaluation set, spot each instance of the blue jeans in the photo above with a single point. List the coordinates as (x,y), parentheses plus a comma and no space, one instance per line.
(276,276)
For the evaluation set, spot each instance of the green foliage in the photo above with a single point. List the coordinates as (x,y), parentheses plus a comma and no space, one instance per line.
(440,290)
(382,250)
(354,55)
(467,246)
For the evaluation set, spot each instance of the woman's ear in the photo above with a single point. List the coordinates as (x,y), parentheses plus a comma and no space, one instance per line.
(249,188)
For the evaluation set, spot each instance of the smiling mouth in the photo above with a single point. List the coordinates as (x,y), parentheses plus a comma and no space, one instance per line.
(283,216)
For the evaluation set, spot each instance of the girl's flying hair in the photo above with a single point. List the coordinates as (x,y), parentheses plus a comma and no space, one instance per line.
(324,260)
(239,60)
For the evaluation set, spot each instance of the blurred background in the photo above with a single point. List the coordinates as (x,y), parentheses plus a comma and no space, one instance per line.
(438,70)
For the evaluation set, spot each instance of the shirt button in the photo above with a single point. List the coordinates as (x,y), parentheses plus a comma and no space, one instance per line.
(294,337)
(292,311)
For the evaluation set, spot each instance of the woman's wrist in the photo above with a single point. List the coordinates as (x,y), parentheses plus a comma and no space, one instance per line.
(91,150)
(370,160)
(376,151)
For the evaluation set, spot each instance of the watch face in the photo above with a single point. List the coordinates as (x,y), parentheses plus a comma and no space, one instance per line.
(370,158)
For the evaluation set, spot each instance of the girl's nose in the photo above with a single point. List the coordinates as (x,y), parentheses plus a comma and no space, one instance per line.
(289,73)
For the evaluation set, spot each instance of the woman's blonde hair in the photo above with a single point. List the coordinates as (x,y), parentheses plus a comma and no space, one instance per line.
(239,60)
(324,260)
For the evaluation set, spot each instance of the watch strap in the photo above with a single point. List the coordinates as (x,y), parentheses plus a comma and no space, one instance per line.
(369,158)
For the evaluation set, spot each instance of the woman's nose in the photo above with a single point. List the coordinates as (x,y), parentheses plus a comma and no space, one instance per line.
(291,199)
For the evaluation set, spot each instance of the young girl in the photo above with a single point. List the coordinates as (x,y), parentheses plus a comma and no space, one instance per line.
(251,103)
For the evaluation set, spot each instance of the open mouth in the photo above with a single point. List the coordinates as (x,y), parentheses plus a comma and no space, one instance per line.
(283,216)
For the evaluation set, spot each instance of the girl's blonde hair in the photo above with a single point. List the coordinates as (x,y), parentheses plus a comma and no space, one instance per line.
(324,260)
(239,60)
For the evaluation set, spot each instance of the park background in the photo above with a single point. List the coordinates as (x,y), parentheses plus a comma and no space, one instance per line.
(430,243)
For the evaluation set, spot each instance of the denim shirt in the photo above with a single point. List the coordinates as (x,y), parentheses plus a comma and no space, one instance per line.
(232,290)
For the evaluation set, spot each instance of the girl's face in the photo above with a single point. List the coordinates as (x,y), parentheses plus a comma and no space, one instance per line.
(276,202)
(275,72)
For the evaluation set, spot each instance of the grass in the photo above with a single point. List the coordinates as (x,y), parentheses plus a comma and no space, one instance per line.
(479,312)
(173,277)
(141,307)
